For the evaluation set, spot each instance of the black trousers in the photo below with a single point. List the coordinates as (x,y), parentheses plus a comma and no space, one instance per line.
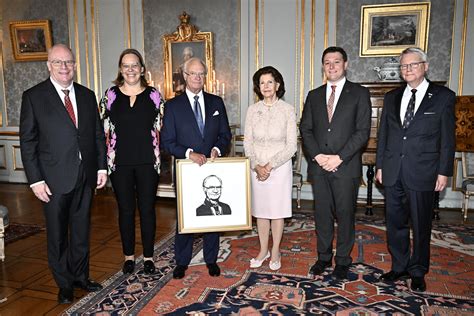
(67,233)
(183,247)
(402,206)
(335,201)
(132,184)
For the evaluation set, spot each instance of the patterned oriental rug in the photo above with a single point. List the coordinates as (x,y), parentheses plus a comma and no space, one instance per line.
(16,231)
(290,291)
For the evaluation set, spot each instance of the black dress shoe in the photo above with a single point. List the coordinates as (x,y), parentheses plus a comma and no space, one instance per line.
(178,272)
(418,284)
(340,272)
(88,285)
(214,269)
(128,266)
(393,276)
(65,296)
(319,267)
(149,267)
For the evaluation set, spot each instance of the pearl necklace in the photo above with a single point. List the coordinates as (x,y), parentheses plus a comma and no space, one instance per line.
(269,105)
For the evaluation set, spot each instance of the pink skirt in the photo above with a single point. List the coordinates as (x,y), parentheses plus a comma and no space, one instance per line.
(272,198)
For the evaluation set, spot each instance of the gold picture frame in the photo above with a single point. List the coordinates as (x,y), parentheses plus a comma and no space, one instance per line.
(186,42)
(30,40)
(224,182)
(386,30)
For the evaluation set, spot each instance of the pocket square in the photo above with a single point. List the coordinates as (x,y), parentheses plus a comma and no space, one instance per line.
(429,113)
(215,113)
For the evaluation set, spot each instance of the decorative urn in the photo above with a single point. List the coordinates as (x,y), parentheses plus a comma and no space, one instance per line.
(389,71)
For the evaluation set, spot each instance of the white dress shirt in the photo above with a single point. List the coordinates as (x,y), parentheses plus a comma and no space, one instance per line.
(339,85)
(419,95)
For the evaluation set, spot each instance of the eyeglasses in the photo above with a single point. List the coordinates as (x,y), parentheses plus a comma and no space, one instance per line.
(411,66)
(213,187)
(58,63)
(195,74)
(130,66)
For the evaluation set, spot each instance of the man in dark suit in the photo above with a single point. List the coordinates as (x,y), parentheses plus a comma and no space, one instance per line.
(212,186)
(195,126)
(415,154)
(63,149)
(335,127)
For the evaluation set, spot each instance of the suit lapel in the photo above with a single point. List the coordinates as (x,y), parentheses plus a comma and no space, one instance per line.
(79,102)
(398,104)
(189,111)
(427,100)
(208,111)
(57,104)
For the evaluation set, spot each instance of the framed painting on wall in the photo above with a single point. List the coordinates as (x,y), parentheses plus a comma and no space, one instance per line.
(178,47)
(213,197)
(386,30)
(30,40)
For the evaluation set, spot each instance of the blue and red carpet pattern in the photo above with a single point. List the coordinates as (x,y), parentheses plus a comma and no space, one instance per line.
(291,291)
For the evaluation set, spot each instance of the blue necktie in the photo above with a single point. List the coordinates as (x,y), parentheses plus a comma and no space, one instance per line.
(410,113)
(198,114)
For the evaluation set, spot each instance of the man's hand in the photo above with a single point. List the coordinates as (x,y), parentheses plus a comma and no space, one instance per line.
(321,159)
(441,183)
(214,154)
(331,163)
(101,180)
(378,176)
(200,159)
(42,192)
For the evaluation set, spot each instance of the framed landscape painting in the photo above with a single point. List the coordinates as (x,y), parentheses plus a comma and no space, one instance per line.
(30,40)
(386,30)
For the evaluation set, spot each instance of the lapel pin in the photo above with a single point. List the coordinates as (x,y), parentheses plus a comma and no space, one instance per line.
(430,95)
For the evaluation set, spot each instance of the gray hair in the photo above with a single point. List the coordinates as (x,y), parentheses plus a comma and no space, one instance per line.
(194,60)
(209,177)
(415,50)
(50,50)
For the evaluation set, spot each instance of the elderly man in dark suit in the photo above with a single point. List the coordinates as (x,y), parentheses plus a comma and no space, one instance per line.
(335,127)
(415,154)
(212,186)
(195,126)
(63,152)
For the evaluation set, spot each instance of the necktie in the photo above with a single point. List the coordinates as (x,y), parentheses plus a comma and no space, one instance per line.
(198,114)
(410,110)
(332,97)
(217,210)
(68,104)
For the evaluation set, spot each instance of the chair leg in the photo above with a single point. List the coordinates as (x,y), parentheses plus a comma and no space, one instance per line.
(465,205)
(2,244)
(298,197)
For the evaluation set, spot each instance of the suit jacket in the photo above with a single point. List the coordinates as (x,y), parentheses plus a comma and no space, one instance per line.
(205,209)
(50,142)
(346,135)
(423,150)
(180,130)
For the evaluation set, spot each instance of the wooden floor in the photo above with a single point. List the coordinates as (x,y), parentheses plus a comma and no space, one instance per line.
(26,284)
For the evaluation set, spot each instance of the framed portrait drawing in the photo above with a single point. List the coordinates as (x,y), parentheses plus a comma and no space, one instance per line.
(30,40)
(178,47)
(213,197)
(386,30)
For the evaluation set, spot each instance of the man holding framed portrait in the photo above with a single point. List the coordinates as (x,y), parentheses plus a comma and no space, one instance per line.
(195,126)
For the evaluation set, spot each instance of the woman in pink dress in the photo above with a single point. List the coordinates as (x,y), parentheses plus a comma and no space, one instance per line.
(270,143)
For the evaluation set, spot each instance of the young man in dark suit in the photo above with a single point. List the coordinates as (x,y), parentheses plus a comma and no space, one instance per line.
(335,127)
(415,154)
(63,152)
(195,126)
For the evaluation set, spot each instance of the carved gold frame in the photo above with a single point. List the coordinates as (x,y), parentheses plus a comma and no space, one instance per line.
(368,12)
(21,54)
(186,33)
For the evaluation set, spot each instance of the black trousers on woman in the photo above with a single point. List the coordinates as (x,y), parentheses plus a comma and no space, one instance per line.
(132,184)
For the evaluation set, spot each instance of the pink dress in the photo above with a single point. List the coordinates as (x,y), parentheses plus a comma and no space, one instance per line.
(270,136)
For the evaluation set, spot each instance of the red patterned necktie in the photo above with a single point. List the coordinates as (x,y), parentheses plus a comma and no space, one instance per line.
(69,108)
(332,97)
